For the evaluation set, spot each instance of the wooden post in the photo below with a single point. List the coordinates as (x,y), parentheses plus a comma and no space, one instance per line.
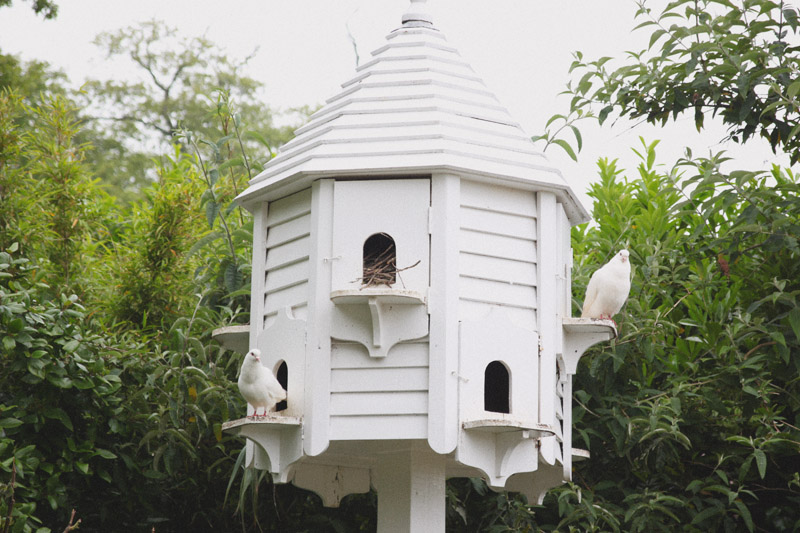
(411,492)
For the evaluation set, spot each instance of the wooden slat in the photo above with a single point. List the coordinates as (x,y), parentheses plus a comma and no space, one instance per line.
(496,292)
(286,276)
(497,269)
(379,379)
(496,198)
(379,403)
(479,243)
(288,231)
(378,427)
(523,227)
(289,207)
(356,356)
(299,312)
(468,310)
(295,295)
(288,253)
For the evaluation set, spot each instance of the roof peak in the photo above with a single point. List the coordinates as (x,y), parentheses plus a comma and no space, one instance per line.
(417,15)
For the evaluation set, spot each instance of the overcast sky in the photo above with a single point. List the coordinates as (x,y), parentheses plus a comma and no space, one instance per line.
(521,48)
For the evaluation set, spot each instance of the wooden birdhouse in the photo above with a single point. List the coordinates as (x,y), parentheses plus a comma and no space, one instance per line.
(411,290)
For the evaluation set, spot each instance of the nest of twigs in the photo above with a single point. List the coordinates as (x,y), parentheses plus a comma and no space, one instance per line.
(380,267)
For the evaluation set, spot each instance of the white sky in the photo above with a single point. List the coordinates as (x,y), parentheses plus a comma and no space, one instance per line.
(521,48)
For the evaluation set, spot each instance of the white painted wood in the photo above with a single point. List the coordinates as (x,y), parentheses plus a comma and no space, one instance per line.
(469,311)
(582,333)
(418,77)
(566,439)
(258,271)
(331,482)
(497,199)
(495,338)
(234,338)
(396,207)
(493,245)
(387,383)
(522,227)
(374,428)
(547,315)
(352,356)
(289,207)
(379,318)
(284,341)
(291,296)
(443,366)
(379,379)
(290,230)
(286,277)
(318,344)
(411,492)
(379,403)
(497,292)
(288,253)
(497,269)
(534,485)
(278,442)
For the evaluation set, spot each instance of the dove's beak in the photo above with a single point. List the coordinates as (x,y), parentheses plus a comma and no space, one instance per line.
(258,359)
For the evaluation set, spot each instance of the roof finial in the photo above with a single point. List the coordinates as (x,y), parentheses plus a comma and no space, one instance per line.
(417,14)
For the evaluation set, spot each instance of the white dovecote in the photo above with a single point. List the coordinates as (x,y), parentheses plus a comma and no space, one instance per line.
(411,281)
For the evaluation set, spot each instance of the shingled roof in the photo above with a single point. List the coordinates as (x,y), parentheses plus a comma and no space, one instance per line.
(415,108)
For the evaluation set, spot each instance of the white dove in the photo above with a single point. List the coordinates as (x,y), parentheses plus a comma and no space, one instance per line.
(608,288)
(258,385)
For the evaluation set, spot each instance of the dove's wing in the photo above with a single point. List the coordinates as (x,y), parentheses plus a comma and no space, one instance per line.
(273,387)
(591,296)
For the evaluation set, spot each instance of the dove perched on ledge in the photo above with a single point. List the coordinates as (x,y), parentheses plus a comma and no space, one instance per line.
(608,288)
(258,385)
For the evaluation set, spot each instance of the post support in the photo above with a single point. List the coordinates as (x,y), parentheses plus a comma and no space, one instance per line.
(411,491)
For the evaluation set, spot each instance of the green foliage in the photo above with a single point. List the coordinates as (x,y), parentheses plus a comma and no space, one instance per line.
(738,61)
(179,80)
(29,79)
(154,281)
(47,8)
(62,186)
(692,414)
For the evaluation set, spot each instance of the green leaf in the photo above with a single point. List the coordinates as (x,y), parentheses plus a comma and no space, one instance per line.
(10,422)
(213,176)
(61,382)
(83,467)
(9,343)
(566,147)
(578,137)
(745,514)
(604,113)
(212,210)
(791,92)
(70,346)
(105,454)
(761,462)
(233,277)
(59,414)
(794,322)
